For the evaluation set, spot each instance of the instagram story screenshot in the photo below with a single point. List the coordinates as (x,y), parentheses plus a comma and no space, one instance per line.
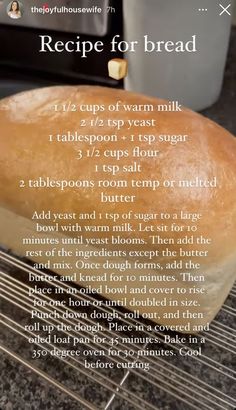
(118,204)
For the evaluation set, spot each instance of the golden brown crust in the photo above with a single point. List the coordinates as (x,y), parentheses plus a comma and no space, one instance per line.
(27,119)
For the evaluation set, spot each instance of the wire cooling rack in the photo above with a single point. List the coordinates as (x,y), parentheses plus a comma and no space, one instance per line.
(206,382)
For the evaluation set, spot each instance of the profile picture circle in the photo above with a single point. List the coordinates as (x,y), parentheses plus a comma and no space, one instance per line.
(14,9)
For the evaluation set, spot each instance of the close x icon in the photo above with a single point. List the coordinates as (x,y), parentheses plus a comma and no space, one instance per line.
(225,9)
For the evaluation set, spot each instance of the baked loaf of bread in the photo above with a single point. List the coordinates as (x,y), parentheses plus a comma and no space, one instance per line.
(206,156)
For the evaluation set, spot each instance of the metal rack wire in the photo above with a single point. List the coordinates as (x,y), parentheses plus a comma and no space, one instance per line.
(203,382)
